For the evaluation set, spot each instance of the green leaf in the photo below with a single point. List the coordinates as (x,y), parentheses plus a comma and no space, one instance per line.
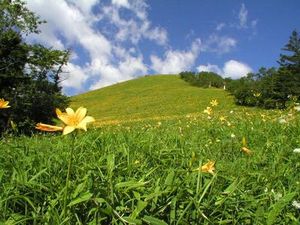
(278,207)
(153,221)
(140,206)
(82,198)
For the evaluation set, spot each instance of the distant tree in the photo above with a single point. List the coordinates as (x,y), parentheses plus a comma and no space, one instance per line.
(291,61)
(29,73)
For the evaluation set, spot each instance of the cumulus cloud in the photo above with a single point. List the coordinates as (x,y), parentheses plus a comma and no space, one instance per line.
(235,69)
(175,61)
(231,68)
(108,58)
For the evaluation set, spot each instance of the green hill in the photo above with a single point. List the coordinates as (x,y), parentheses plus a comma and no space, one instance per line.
(150,97)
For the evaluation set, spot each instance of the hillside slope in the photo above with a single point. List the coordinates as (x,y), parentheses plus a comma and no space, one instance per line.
(150,97)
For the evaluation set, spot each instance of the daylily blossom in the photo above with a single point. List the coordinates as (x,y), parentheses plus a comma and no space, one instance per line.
(246,150)
(209,167)
(74,120)
(47,127)
(257,94)
(214,102)
(4,104)
(208,110)
(297,108)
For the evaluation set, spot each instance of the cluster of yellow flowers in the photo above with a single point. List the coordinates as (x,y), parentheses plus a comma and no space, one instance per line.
(209,109)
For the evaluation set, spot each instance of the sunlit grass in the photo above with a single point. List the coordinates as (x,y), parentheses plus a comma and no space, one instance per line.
(147,172)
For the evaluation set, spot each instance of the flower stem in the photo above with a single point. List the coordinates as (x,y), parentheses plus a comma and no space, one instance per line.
(69,173)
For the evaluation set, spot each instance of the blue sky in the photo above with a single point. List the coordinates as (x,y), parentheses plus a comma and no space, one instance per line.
(117,40)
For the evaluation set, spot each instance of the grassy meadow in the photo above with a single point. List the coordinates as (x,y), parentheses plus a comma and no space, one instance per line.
(142,162)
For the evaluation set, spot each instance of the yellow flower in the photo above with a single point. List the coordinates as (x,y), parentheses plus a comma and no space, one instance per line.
(208,110)
(214,102)
(246,150)
(74,120)
(47,127)
(4,104)
(209,167)
(257,94)
(222,118)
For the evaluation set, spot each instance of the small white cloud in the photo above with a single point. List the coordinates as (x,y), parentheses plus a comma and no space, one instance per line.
(232,68)
(175,61)
(210,68)
(220,26)
(243,14)
(219,44)
(235,69)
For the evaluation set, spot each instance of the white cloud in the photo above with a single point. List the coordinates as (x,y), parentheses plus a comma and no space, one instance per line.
(231,68)
(109,60)
(74,77)
(218,44)
(175,61)
(220,26)
(243,16)
(235,69)
(209,68)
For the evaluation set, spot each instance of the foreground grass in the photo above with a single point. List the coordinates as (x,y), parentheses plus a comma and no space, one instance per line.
(146,173)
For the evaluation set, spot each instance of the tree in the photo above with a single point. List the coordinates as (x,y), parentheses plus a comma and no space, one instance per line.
(29,73)
(291,61)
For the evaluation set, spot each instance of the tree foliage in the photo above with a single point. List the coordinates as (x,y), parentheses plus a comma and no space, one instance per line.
(272,88)
(203,79)
(29,73)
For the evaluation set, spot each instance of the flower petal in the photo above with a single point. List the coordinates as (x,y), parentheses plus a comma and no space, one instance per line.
(70,111)
(82,124)
(47,127)
(80,114)
(68,129)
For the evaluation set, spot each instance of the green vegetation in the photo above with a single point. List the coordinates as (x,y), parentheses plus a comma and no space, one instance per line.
(29,73)
(152,97)
(203,79)
(148,172)
(272,88)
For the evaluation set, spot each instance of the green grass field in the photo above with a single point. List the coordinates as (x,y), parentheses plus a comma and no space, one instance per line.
(143,164)
(152,97)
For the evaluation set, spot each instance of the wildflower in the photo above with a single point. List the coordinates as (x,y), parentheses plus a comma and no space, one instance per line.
(257,94)
(4,104)
(47,127)
(297,150)
(74,120)
(208,110)
(214,102)
(222,118)
(232,135)
(297,108)
(246,150)
(282,120)
(296,204)
(209,167)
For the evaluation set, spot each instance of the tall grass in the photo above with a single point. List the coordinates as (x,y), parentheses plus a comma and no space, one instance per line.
(148,173)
